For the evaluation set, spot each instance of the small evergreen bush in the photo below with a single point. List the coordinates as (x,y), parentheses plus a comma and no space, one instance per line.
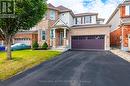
(45,46)
(35,45)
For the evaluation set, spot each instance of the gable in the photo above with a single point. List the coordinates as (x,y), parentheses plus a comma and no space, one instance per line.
(60,23)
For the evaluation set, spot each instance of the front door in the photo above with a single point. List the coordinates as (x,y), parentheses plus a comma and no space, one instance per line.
(61,38)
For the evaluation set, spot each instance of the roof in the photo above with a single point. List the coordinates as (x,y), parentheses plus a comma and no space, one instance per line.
(60,8)
(50,6)
(91,26)
(28,32)
(63,9)
(84,14)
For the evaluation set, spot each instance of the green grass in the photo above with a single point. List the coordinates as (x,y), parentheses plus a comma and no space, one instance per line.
(23,60)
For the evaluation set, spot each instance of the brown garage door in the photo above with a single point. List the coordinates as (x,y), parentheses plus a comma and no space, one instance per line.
(88,42)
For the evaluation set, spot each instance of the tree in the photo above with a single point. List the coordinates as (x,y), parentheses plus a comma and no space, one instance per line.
(45,46)
(35,45)
(27,14)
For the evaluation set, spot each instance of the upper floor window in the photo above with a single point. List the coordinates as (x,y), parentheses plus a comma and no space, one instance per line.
(127,9)
(78,20)
(88,19)
(43,35)
(62,17)
(52,14)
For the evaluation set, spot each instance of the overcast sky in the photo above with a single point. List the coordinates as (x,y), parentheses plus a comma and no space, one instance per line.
(103,7)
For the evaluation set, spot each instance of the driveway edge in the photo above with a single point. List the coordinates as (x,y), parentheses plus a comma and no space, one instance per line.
(124,55)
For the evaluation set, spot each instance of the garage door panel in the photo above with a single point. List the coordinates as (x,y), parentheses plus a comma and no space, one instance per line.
(23,40)
(88,42)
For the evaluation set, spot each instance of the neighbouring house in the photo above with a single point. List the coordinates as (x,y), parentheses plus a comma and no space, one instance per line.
(120,29)
(26,37)
(61,28)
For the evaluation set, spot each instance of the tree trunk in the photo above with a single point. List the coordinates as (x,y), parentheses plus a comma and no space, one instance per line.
(8,46)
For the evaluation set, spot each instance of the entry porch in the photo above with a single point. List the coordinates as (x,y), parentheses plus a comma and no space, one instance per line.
(59,38)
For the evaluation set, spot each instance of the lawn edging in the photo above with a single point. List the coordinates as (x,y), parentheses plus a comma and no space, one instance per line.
(30,65)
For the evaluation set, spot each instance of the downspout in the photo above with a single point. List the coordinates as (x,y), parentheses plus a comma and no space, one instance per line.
(122,43)
(122,35)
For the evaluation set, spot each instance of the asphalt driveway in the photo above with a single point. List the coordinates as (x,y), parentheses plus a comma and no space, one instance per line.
(77,68)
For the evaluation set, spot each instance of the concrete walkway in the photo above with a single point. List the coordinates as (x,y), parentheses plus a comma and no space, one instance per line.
(124,55)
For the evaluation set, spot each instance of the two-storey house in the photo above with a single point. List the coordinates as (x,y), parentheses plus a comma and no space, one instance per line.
(60,27)
(120,30)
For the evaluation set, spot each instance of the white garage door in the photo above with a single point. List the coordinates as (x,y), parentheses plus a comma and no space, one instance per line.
(23,40)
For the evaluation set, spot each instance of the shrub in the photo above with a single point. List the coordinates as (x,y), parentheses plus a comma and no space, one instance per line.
(45,46)
(35,45)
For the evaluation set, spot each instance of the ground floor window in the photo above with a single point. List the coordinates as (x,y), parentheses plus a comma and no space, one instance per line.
(51,34)
(43,35)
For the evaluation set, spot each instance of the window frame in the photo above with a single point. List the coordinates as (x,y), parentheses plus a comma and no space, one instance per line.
(52,15)
(44,35)
(51,34)
(88,19)
(127,10)
(79,20)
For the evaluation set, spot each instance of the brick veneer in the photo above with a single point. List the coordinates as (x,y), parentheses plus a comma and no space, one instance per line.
(115,36)
(33,36)
(122,11)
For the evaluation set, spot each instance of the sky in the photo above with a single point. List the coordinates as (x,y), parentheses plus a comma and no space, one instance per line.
(104,7)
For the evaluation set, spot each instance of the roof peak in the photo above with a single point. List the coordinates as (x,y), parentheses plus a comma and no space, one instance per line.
(63,8)
(50,5)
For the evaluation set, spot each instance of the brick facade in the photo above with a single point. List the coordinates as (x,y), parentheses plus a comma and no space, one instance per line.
(45,25)
(122,11)
(115,37)
(119,35)
(32,36)
(126,32)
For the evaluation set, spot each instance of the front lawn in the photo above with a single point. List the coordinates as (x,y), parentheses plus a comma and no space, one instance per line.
(23,60)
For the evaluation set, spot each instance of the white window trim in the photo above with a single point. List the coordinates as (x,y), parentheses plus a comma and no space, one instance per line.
(127,10)
(54,16)
(86,21)
(51,34)
(42,35)
(78,20)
